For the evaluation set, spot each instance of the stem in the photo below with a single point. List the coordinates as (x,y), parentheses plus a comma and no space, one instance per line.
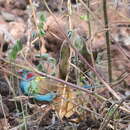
(88,15)
(90,34)
(107,40)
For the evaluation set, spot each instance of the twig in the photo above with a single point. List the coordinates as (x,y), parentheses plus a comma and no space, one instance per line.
(90,34)
(1,104)
(107,40)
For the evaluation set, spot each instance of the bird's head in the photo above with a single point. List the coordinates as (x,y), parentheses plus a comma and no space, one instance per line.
(25,74)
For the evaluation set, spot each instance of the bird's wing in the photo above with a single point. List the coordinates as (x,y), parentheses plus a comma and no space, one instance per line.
(46,85)
(47,97)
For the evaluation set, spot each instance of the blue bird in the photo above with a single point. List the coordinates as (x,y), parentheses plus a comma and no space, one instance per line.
(41,88)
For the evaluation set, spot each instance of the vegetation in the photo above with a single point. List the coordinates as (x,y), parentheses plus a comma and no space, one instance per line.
(75,55)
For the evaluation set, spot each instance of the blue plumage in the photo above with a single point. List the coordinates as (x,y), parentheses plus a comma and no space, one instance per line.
(29,87)
(47,97)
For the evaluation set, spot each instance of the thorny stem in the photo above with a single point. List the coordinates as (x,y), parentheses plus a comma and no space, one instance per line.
(107,40)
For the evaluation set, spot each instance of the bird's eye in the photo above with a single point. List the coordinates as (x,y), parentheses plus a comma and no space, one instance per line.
(20,72)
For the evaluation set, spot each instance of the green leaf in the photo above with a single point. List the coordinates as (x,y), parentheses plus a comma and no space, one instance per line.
(52,60)
(40,67)
(111,112)
(34,34)
(16,48)
(43,56)
(42,32)
(40,25)
(63,64)
(42,20)
(79,43)
(42,17)
(53,73)
(84,17)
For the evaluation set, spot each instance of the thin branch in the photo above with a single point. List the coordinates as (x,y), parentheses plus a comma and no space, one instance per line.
(107,40)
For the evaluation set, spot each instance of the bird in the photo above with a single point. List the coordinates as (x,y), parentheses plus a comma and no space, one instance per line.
(40,88)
